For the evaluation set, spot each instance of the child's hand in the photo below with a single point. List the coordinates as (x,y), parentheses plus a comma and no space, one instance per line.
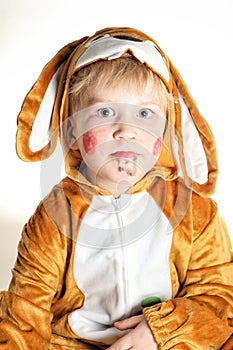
(140,336)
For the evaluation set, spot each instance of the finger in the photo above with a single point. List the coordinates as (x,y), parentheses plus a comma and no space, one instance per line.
(129,323)
(124,343)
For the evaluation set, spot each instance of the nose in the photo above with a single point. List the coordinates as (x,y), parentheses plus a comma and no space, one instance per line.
(125,132)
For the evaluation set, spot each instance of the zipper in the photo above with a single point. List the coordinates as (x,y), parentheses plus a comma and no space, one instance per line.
(123,250)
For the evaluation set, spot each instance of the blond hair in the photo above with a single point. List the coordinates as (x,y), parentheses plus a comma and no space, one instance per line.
(125,71)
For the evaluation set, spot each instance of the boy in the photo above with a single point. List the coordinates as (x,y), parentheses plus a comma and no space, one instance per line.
(128,251)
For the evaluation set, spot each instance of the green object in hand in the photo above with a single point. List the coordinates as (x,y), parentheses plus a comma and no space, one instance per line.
(150,301)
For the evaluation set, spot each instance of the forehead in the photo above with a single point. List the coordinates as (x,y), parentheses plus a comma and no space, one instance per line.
(123,79)
(124,94)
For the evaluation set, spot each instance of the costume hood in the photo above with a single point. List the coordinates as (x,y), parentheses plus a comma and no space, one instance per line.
(189,148)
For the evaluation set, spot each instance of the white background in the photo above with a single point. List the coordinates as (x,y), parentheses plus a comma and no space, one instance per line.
(197,35)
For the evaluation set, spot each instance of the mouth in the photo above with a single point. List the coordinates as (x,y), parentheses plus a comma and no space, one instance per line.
(125,154)
(126,161)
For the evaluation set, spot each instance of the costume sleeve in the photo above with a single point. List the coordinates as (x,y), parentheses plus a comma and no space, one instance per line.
(25,316)
(200,316)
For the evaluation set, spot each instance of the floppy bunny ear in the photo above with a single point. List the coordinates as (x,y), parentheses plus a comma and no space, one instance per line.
(196,150)
(38,119)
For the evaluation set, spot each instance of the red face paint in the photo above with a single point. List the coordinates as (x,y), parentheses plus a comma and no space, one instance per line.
(89,142)
(157,147)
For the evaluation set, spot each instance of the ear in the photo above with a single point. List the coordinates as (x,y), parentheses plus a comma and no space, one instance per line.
(71,141)
(39,120)
(195,145)
(157,147)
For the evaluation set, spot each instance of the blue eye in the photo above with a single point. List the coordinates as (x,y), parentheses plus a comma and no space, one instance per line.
(106,112)
(145,113)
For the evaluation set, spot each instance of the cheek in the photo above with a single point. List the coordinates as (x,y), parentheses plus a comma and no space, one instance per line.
(157,147)
(89,142)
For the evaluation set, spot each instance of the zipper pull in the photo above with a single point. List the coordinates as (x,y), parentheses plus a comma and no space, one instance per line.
(150,301)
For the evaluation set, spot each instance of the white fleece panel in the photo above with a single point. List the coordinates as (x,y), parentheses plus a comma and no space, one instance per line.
(121,257)
(112,48)
(195,157)
(41,134)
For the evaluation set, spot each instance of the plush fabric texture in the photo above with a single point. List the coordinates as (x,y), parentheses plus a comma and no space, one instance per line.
(43,291)
(34,312)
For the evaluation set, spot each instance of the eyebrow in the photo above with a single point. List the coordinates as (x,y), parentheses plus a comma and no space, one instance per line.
(94,100)
(150,103)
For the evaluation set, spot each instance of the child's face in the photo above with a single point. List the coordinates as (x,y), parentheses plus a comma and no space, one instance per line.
(119,136)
